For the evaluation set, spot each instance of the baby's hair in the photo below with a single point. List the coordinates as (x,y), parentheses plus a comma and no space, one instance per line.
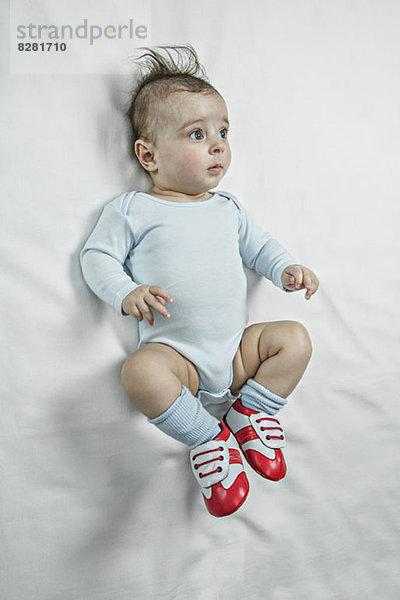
(163,71)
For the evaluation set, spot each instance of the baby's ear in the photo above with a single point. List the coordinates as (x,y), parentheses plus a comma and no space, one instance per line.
(145,152)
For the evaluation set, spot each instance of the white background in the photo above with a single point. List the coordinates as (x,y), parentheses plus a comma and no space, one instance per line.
(98,505)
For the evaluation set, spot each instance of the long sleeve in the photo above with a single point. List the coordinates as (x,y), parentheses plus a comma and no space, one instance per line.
(104,254)
(260,251)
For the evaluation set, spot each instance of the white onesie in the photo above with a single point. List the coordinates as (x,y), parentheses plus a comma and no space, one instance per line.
(196,251)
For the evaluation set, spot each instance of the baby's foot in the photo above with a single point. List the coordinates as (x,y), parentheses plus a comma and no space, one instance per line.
(218,468)
(260,437)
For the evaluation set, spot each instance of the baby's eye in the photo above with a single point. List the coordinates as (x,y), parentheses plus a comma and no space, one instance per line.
(223,133)
(196,135)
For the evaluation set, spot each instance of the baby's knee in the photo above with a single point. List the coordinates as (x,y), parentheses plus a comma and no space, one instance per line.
(149,381)
(298,339)
(140,366)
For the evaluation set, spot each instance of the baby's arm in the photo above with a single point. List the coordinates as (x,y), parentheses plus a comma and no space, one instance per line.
(102,262)
(261,252)
(104,254)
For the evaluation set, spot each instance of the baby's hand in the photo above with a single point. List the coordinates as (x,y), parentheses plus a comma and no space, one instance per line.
(297,277)
(138,302)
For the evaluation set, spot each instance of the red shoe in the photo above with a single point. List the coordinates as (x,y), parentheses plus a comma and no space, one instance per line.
(218,468)
(260,437)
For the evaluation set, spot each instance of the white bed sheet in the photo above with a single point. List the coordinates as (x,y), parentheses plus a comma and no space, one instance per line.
(95,503)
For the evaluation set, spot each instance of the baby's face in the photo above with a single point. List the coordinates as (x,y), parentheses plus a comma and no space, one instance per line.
(192,151)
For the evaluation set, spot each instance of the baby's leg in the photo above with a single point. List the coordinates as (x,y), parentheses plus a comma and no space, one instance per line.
(162,384)
(153,377)
(269,363)
(274,355)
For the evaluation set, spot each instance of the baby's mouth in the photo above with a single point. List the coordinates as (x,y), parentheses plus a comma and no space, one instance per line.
(216,169)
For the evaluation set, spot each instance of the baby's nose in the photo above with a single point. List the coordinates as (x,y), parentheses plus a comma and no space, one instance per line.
(217,146)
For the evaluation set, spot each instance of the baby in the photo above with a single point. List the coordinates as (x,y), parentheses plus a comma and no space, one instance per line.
(173,258)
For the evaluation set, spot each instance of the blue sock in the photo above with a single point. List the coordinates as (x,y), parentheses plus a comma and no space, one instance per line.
(257,397)
(187,421)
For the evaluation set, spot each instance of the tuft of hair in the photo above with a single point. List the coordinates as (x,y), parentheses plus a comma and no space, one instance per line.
(163,70)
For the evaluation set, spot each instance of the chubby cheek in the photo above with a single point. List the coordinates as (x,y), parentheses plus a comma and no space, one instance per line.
(227,157)
(190,162)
